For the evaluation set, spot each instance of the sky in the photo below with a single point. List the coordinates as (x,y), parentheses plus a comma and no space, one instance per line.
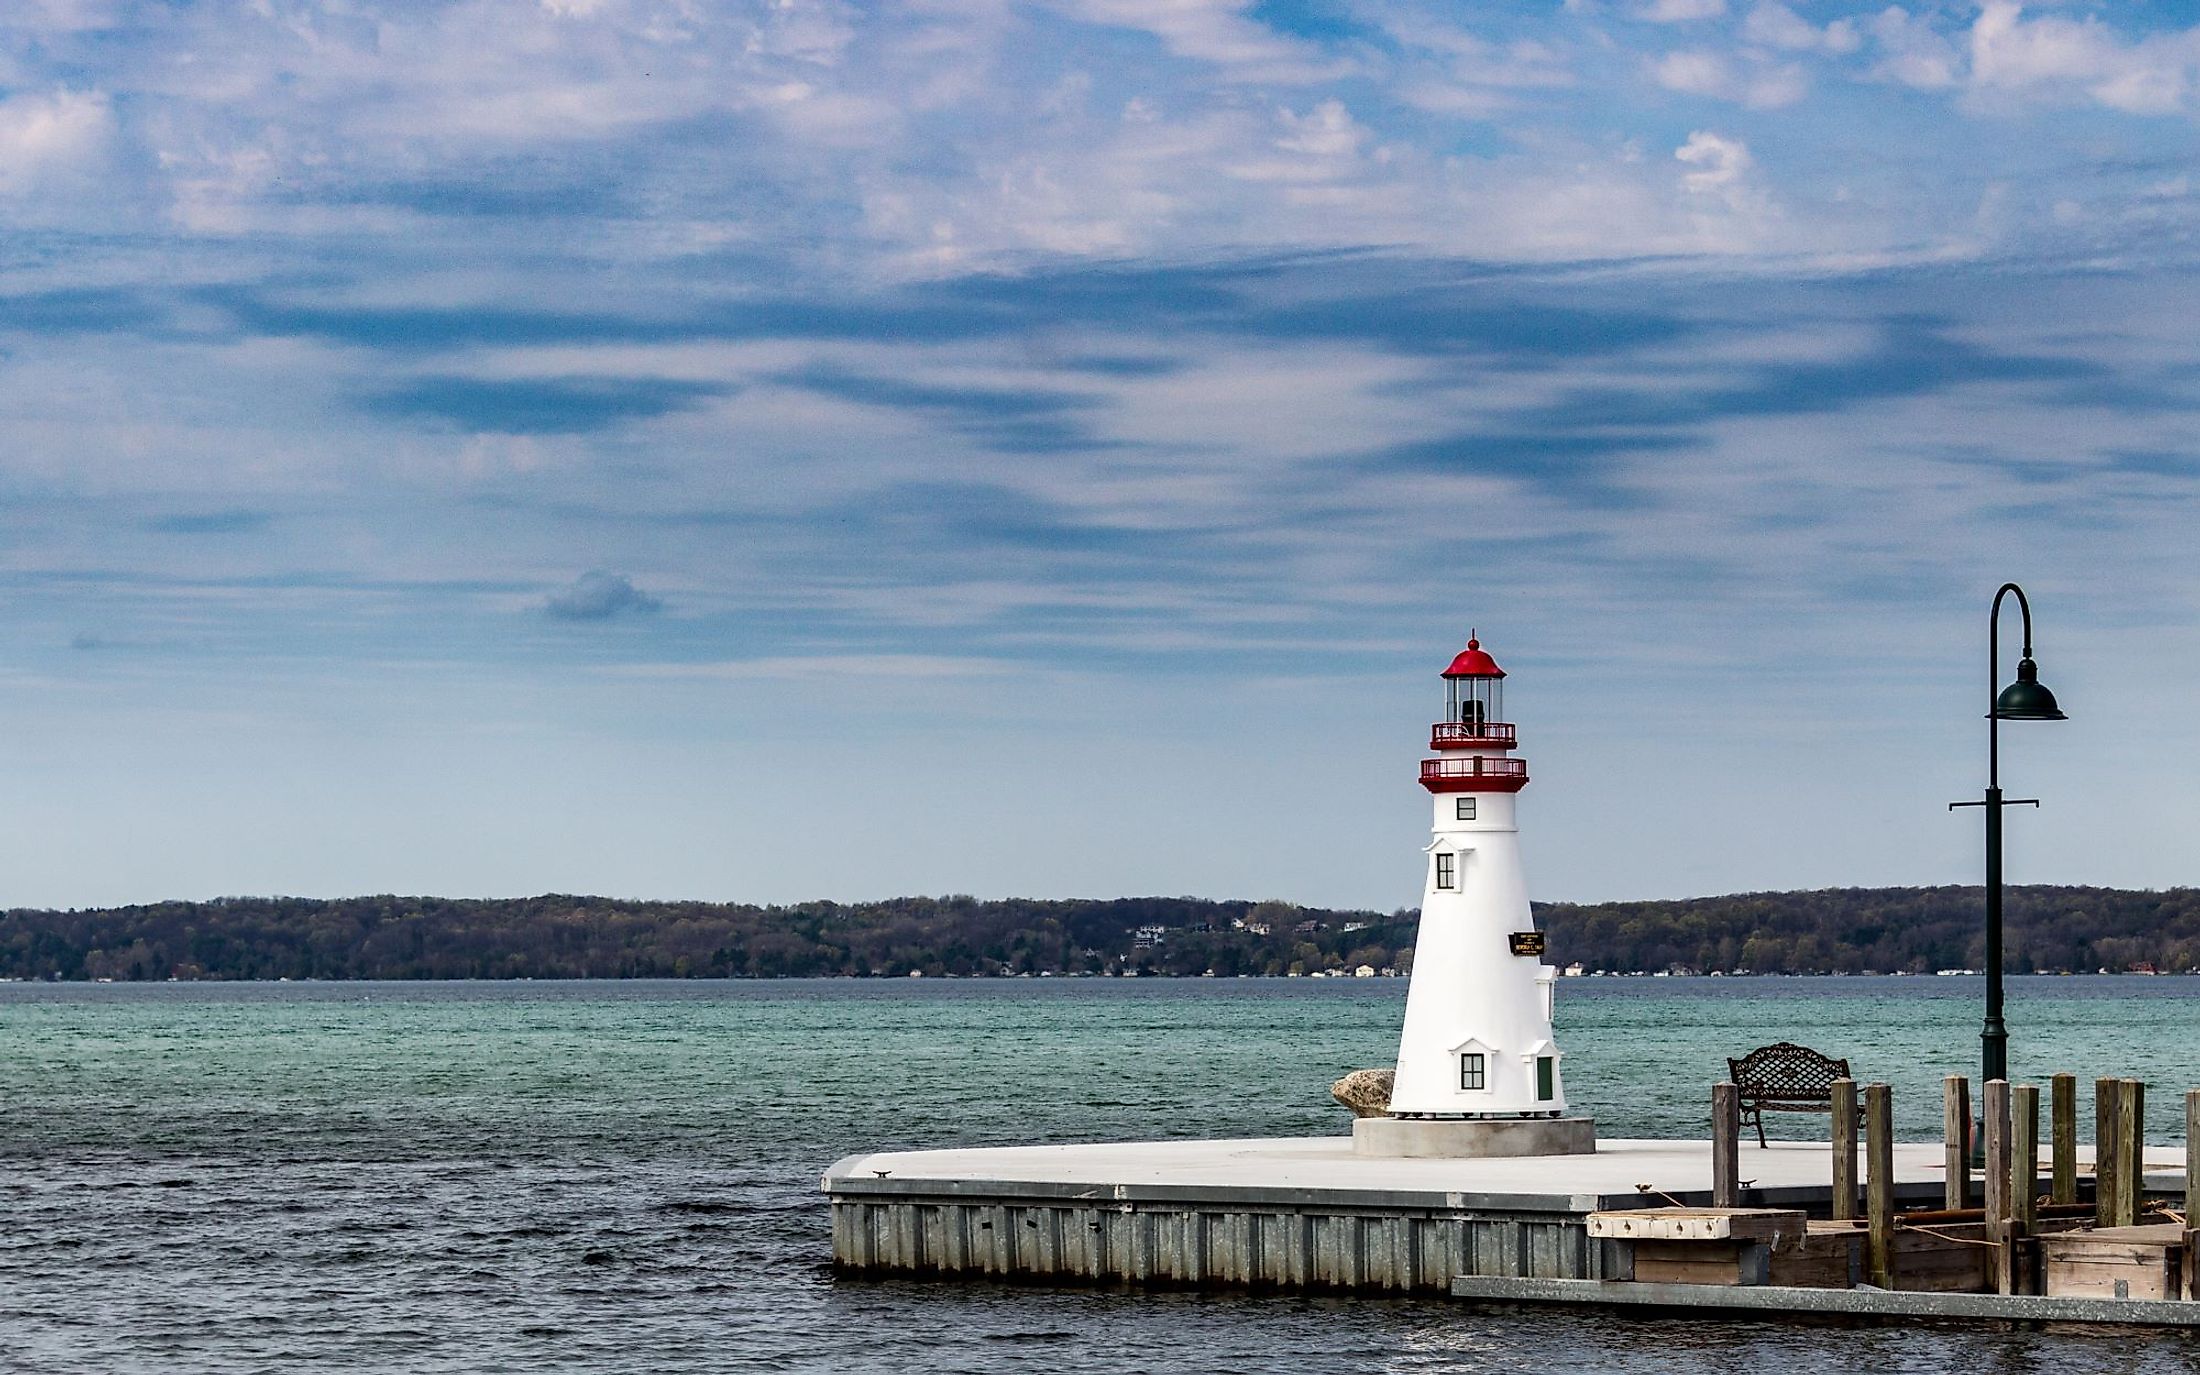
(779,451)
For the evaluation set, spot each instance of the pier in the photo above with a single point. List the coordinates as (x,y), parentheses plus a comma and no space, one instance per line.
(1704,1225)
(1302,1213)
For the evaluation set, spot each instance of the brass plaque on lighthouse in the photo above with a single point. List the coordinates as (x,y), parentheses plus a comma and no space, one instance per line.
(1527,942)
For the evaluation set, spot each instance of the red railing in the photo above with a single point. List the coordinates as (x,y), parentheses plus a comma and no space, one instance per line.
(1462,735)
(1497,771)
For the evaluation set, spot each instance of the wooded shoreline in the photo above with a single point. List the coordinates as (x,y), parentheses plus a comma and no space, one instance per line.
(1841,930)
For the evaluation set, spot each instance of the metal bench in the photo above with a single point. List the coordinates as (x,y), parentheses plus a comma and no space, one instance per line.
(1784,1077)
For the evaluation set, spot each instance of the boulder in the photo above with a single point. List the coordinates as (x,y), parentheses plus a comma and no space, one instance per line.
(1365,1091)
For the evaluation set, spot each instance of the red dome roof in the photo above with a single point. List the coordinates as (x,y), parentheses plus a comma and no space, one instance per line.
(1473,663)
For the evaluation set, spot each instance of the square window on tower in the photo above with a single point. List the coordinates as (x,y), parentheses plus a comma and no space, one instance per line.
(1447,874)
(1473,1071)
(1465,809)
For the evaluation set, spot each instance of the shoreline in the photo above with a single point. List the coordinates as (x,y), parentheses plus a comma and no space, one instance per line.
(1949,981)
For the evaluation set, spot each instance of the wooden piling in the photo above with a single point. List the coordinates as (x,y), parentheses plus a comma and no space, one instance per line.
(1955,1103)
(1994,1105)
(2192,1193)
(2192,1157)
(2131,1138)
(2064,1141)
(1726,1145)
(1844,1149)
(1879,1183)
(2105,1150)
(2024,1178)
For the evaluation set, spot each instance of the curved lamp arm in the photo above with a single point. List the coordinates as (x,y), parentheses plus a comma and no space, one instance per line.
(1993,675)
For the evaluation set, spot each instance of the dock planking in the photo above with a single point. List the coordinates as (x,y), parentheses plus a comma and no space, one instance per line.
(1293,1214)
(1308,1214)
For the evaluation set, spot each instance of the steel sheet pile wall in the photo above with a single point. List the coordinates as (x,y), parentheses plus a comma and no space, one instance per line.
(1280,1246)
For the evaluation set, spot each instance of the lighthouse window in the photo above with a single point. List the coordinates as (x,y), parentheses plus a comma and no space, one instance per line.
(1466,809)
(1473,1070)
(1446,875)
(1546,1078)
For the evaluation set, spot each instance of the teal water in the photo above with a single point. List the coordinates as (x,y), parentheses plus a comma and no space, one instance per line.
(623,1175)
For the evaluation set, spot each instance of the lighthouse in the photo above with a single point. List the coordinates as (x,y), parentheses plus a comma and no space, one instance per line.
(1479,1071)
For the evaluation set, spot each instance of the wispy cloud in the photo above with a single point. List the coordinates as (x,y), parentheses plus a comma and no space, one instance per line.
(1031,419)
(1679,11)
(836,667)
(2083,58)
(600,596)
(49,137)
(232,522)
(550,405)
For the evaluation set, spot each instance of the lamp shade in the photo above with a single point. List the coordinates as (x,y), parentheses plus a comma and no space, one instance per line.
(2027,699)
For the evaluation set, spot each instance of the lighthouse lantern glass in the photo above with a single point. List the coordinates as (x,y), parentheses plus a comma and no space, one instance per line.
(1475,701)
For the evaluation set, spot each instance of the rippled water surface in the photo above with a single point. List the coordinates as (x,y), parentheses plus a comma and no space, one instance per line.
(622,1176)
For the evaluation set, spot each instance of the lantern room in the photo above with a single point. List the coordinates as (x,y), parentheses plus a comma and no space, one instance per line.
(1473,731)
(1474,706)
(1476,686)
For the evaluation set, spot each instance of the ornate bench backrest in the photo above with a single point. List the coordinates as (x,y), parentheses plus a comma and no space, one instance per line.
(1786,1073)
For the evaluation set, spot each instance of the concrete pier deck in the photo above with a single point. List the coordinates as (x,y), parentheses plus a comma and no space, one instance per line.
(1296,1213)
(1323,1166)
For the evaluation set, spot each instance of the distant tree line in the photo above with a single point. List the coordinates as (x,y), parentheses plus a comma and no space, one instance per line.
(2046,928)
(560,937)
(1849,930)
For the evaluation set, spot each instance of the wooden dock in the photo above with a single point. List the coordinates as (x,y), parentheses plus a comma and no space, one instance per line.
(1303,1213)
(1683,1224)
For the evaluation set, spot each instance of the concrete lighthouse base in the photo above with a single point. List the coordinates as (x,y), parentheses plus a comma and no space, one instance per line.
(1474,1137)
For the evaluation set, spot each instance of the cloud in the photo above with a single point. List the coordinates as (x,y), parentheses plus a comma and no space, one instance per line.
(1403,303)
(1017,420)
(1777,26)
(71,310)
(1221,32)
(814,667)
(600,596)
(1695,72)
(1679,11)
(44,136)
(559,405)
(61,16)
(1454,72)
(1758,84)
(233,522)
(1327,131)
(2053,55)
(933,141)
(1720,163)
(750,142)
(90,643)
(1898,359)
(1583,467)
(1913,53)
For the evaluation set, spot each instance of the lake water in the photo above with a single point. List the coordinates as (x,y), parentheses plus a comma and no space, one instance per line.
(623,1176)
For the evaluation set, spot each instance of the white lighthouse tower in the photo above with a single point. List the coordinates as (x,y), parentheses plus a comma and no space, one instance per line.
(1478,1069)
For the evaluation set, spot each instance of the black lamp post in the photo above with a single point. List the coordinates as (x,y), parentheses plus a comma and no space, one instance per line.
(2023,700)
